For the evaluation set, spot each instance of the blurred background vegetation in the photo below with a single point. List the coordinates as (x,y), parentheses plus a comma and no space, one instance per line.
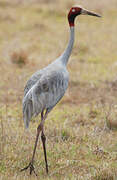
(82,129)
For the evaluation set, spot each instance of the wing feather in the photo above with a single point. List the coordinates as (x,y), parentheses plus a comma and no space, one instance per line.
(44,94)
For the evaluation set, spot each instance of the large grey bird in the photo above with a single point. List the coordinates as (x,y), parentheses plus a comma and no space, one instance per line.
(47,86)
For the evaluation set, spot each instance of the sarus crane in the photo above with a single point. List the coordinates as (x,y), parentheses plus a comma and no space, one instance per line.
(47,86)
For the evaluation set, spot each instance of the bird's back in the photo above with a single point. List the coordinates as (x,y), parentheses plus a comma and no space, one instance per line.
(43,90)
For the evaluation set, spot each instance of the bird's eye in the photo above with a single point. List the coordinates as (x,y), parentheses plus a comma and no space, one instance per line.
(73,10)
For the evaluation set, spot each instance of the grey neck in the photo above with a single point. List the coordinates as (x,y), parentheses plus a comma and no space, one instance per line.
(66,54)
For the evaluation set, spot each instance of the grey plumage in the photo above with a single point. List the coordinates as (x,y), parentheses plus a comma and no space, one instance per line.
(47,86)
(44,89)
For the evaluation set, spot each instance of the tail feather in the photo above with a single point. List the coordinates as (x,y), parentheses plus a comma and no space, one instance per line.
(32,106)
(36,105)
(27,112)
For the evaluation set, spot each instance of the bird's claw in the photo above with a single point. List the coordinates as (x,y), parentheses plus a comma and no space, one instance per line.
(31,168)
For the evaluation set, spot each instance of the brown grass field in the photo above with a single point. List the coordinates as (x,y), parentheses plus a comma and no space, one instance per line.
(82,129)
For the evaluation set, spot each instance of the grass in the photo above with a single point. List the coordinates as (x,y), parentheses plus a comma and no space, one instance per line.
(81,130)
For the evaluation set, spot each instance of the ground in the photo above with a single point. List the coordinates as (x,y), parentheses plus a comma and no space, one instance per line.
(81,130)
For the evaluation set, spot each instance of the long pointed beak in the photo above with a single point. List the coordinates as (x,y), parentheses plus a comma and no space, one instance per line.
(86,12)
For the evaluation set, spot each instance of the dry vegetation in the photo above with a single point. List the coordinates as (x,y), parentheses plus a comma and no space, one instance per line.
(82,129)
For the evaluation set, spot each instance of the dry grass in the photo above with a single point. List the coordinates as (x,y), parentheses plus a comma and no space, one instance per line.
(19,58)
(81,130)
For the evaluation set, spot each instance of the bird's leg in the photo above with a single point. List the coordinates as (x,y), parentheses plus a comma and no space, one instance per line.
(43,138)
(39,129)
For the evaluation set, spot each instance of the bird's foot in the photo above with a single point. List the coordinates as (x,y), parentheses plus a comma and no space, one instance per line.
(31,168)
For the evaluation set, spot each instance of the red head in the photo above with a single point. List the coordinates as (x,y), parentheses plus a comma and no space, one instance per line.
(77,10)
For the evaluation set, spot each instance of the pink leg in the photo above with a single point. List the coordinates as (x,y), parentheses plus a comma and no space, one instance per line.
(39,129)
